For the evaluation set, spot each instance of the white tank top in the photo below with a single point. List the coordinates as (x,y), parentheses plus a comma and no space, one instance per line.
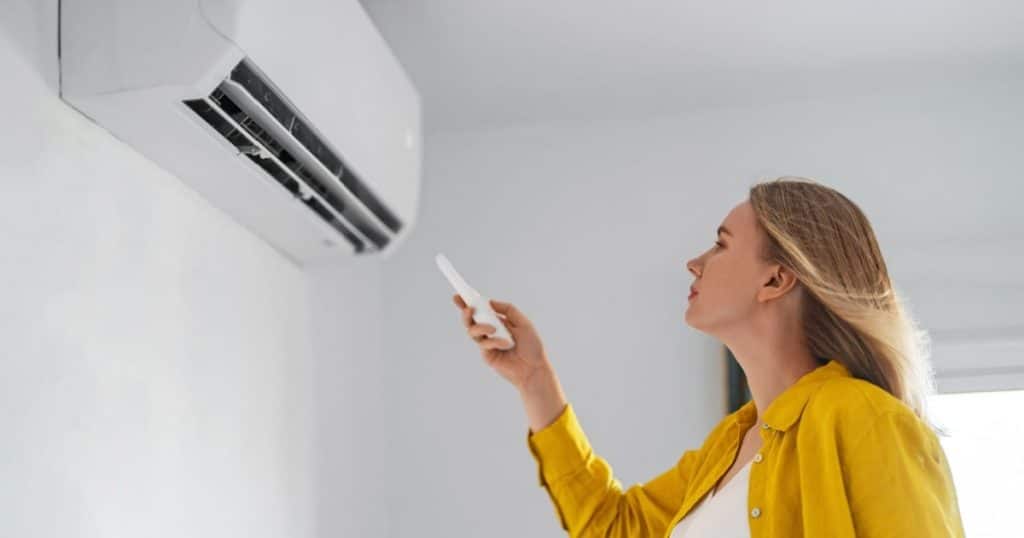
(721,515)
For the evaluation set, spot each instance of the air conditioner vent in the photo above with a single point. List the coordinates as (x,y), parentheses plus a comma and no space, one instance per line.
(254,117)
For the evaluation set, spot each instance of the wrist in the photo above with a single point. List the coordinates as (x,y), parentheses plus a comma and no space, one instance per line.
(539,382)
(543,399)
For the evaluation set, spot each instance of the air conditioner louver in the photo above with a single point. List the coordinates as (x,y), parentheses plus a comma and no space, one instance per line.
(249,112)
(320,159)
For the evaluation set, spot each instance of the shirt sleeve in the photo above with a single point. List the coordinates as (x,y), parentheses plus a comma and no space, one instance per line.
(899,482)
(588,500)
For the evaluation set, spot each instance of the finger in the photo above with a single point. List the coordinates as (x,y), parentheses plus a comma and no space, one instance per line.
(508,310)
(458,301)
(499,344)
(467,317)
(481,329)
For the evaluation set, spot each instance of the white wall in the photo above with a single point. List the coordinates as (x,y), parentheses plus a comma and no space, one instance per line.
(587,227)
(169,374)
(158,360)
(354,408)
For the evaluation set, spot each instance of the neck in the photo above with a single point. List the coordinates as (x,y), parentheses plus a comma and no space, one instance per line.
(772,359)
(768,380)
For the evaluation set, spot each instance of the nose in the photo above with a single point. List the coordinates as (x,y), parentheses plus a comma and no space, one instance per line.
(693,267)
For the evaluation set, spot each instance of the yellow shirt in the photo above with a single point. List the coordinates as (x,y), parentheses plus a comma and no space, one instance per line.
(840,458)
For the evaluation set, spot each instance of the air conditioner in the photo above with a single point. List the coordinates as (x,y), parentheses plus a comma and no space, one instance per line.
(294,117)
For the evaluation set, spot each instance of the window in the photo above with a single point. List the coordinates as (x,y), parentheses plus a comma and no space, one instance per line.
(985,449)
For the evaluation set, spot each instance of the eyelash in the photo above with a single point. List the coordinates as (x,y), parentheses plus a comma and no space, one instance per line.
(719,244)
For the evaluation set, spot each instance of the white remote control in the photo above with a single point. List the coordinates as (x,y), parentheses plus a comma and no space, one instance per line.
(482,313)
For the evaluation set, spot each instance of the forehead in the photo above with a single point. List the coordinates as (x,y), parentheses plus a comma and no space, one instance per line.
(741,220)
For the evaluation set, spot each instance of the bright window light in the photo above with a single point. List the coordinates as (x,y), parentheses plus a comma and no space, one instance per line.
(985,449)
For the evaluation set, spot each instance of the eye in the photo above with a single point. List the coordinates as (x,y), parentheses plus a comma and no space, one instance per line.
(719,244)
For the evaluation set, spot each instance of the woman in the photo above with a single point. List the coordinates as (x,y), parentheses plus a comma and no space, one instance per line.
(835,442)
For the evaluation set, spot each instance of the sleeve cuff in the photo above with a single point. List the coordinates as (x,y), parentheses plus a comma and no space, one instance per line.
(561,448)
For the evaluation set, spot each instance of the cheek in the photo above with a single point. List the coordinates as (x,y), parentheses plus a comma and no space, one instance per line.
(727,286)
(720,307)
(733,272)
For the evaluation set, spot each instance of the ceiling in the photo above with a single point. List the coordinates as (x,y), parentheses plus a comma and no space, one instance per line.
(483,63)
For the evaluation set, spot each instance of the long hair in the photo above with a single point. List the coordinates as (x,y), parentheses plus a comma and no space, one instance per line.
(852,312)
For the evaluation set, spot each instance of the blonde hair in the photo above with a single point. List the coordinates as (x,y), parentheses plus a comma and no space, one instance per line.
(852,311)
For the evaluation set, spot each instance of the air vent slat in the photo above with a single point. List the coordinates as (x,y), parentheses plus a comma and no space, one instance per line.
(263,157)
(256,85)
(307,165)
(271,133)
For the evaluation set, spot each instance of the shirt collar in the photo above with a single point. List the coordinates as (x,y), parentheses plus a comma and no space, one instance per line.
(787,407)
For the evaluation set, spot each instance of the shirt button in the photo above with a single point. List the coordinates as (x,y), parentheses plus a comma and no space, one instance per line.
(765,426)
(755,513)
(758,457)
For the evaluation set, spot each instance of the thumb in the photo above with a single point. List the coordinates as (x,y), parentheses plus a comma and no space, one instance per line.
(509,310)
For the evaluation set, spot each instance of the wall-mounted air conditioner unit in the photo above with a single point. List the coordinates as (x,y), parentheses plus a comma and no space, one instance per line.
(292,116)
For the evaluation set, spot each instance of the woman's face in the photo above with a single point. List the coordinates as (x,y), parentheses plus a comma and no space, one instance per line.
(728,274)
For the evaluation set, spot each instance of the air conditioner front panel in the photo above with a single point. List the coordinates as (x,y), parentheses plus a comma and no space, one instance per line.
(151,72)
(342,74)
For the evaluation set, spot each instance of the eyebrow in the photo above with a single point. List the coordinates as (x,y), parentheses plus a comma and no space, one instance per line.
(723,229)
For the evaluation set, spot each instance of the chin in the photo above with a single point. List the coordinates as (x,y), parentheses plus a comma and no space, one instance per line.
(688,317)
(692,318)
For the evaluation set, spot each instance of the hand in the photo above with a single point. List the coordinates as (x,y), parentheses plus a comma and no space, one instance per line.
(518,365)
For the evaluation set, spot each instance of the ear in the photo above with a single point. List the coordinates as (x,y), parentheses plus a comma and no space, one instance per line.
(779,282)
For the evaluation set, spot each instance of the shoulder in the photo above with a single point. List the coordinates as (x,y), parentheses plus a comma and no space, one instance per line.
(850,396)
(848,407)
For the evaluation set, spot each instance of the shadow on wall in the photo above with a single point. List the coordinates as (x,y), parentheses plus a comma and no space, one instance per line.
(736,383)
(29,27)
